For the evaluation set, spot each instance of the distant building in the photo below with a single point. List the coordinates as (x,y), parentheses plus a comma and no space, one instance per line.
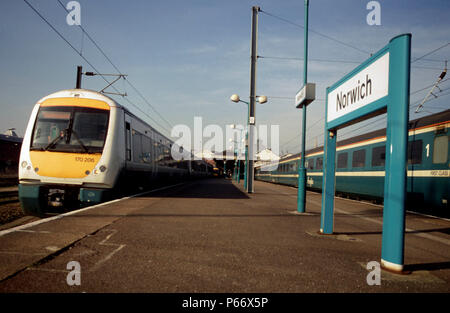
(266,156)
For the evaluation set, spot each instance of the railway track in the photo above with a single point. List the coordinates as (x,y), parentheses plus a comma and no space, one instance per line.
(10,210)
(9,196)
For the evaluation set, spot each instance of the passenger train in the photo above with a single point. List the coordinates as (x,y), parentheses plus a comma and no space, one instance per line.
(360,166)
(82,147)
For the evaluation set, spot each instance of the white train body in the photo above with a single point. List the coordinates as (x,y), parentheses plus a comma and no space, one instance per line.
(81,146)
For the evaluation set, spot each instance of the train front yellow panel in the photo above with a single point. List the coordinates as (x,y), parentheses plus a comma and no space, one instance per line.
(77,102)
(63,165)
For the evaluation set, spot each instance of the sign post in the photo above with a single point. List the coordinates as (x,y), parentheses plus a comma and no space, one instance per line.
(378,85)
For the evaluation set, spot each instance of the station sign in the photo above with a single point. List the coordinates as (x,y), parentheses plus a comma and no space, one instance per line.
(305,95)
(361,89)
(378,85)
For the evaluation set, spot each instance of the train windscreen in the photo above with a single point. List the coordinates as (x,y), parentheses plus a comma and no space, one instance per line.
(70,129)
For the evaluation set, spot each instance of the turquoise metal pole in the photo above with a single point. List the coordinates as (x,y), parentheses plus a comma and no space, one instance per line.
(328,182)
(393,240)
(301,198)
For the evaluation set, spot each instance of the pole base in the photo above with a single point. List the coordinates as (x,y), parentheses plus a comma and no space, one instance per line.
(320,232)
(394,268)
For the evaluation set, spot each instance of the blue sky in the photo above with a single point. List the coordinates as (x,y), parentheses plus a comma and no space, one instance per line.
(187,57)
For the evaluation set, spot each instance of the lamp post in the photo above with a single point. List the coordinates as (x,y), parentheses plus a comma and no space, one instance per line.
(235,158)
(248,165)
(237,151)
(304,97)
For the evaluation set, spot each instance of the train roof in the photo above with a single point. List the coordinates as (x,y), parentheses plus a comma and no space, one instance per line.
(414,124)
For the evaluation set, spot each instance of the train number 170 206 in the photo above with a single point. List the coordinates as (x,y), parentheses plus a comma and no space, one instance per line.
(84,159)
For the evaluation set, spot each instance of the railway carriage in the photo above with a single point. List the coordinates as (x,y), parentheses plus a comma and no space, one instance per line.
(360,166)
(81,147)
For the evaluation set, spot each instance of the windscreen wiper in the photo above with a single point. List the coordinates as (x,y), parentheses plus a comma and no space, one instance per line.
(57,139)
(79,141)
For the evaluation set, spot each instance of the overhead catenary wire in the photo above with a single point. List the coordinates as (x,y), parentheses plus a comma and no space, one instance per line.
(89,63)
(345,61)
(431,52)
(335,61)
(316,32)
(439,79)
(117,69)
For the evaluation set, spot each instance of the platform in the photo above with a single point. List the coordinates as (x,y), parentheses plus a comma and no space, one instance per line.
(210,236)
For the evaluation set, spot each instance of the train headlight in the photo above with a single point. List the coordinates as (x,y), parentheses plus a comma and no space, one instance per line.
(24,164)
(101,169)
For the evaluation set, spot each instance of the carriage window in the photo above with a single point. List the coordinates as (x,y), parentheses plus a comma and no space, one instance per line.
(440,149)
(137,146)
(378,156)
(319,163)
(415,152)
(311,164)
(342,160)
(359,158)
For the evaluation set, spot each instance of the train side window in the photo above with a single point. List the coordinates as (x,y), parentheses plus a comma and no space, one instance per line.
(440,149)
(311,164)
(342,160)
(415,152)
(137,146)
(378,156)
(359,158)
(319,163)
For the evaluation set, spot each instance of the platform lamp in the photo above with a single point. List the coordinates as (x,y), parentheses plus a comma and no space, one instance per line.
(248,175)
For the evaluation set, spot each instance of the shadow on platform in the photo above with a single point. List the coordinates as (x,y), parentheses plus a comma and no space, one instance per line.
(428,266)
(215,188)
(432,230)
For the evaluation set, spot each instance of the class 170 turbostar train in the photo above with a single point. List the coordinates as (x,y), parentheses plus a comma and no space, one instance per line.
(360,166)
(81,147)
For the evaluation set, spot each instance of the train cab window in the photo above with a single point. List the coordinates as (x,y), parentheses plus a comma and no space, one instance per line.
(415,152)
(70,129)
(359,158)
(319,163)
(342,160)
(440,149)
(378,156)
